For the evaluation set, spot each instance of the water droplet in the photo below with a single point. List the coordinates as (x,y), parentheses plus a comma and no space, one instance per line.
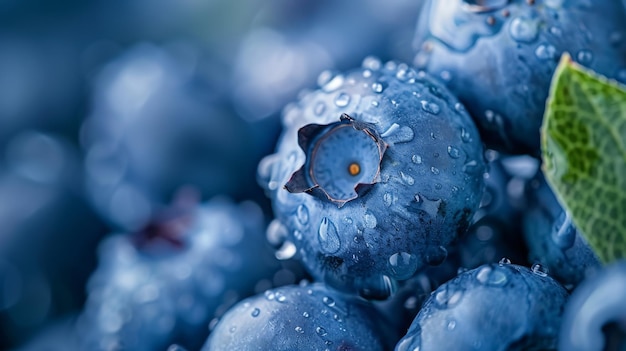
(417,159)
(430,107)
(453,152)
(451,325)
(556,31)
(233,329)
(504,261)
(539,270)
(328,237)
(465,136)
(445,76)
(523,29)
(276,233)
(409,343)
(407,179)
(255,312)
(297,234)
(372,63)
(286,251)
(369,220)
(489,275)
(402,265)
(321,331)
(584,57)
(306,314)
(329,81)
(545,52)
(377,87)
(328,301)
(396,134)
(434,170)
(447,296)
(319,109)
(564,231)
(342,100)
(431,207)
(302,213)
(436,255)
(269,295)
(388,199)
(367,73)
(471,167)
(299,330)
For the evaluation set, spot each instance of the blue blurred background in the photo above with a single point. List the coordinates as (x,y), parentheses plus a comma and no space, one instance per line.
(109,108)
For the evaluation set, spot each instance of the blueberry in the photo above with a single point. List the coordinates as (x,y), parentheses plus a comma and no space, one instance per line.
(553,239)
(498,56)
(305,317)
(595,315)
(165,283)
(493,307)
(376,172)
(157,124)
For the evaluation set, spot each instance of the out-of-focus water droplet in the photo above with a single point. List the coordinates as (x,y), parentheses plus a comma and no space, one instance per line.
(277,233)
(302,213)
(545,52)
(329,81)
(523,29)
(286,251)
(377,87)
(487,275)
(584,57)
(319,108)
(402,265)
(342,100)
(328,237)
(417,159)
(484,5)
(430,107)
(539,270)
(451,325)
(436,255)
(372,63)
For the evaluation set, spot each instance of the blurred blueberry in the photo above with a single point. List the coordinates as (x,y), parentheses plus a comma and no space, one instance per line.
(553,239)
(157,126)
(595,315)
(166,282)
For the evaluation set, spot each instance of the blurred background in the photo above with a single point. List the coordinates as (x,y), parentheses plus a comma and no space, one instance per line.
(109,108)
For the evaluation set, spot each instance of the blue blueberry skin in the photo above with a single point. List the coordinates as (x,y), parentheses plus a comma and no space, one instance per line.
(493,307)
(428,185)
(166,283)
(595,315)
(499,57)
(157,124)
(552,238)
(304,317)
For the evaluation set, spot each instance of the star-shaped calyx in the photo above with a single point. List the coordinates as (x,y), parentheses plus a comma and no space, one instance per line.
(343,160)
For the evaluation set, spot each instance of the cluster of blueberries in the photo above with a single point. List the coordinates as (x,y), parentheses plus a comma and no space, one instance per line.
(403,207)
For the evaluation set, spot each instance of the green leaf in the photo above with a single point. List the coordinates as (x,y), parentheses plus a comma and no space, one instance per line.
(583,140)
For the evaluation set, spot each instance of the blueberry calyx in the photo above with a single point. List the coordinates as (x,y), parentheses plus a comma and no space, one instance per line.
(342,160)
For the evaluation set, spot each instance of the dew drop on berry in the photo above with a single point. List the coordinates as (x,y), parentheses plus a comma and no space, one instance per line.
(488,275)
(342,100)
(584,57)
(328,237)
(402,265)
(430,107)
(523,29)
(369,220)
(255,312)
(453,152)
(545,52)
(321,331)
(372,63)
(302,214)
(539,270)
